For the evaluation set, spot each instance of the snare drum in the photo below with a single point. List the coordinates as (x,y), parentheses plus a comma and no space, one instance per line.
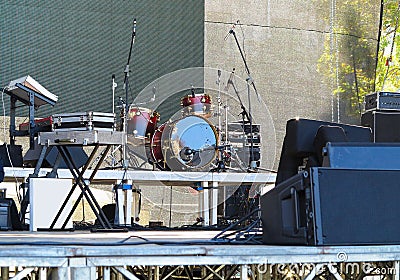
(198,104)
(189,143)
(142,122)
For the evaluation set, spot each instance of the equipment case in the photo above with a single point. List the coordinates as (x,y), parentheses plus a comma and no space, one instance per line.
(84,121)
(382,101)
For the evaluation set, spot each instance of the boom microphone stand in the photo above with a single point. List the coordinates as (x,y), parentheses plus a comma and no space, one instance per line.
(126,86)
(250,81)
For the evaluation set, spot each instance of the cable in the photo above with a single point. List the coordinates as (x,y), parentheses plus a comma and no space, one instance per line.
(218,236)
(294,28)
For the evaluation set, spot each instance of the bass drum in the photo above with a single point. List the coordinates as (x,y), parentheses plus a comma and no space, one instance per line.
(189,144)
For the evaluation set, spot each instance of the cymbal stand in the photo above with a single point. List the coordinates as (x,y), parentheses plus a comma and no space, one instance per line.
(220,158)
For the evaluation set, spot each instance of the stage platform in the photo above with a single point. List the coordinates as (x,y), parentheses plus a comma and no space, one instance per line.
(151,177)
(168,247)
(145,253)
(88,253)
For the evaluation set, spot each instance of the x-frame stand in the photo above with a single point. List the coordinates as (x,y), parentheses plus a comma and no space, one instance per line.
(62,140)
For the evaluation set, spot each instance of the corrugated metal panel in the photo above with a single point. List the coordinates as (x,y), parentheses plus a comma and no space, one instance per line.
(73,48)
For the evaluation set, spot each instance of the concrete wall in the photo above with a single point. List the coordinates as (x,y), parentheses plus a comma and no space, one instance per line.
(282,41)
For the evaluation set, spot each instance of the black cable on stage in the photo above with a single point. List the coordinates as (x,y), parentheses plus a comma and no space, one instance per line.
(220,235)
(112,243)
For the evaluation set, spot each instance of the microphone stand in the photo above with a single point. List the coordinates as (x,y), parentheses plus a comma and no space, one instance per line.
(245,116)
(126,86)
(249,81)
(113,87)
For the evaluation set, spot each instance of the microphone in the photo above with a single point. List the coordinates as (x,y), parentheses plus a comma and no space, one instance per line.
(114,84)
(230,79)
(134,26)
(231,30)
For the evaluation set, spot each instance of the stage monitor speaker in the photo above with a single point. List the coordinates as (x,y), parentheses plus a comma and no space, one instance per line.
(325,134)
(9,219)
(385,125)
(333,207)
(15,152)
(299,142)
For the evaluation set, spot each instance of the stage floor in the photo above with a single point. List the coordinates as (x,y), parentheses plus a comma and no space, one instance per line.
(169,247)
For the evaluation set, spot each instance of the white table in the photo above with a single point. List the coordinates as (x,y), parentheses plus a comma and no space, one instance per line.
(209,181)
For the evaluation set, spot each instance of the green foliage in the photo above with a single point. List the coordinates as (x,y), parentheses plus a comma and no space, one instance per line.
(388,59)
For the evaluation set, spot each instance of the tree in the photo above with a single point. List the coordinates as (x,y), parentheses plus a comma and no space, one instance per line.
(350,51)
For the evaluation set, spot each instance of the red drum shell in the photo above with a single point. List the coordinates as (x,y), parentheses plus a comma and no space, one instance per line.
(154,151)
(142,122)
(199,104)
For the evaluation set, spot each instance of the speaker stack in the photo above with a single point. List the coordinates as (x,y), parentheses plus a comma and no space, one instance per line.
(349,196)
(382,115)
(333,206)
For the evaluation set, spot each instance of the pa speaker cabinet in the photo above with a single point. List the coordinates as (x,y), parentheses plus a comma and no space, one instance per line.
(13,152)
(5,215)
(385,125)
(333,207)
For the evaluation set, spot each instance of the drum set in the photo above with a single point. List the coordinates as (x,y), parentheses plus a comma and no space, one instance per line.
(189,143)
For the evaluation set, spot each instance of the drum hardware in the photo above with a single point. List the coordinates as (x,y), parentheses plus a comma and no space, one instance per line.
(246,118)
(220,159)
(223,159)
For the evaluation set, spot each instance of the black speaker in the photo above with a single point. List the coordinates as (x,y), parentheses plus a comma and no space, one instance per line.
(325,134)
(15,152)
(32,155)
(9,219)
(385,125)
(299,143)
(333,207)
